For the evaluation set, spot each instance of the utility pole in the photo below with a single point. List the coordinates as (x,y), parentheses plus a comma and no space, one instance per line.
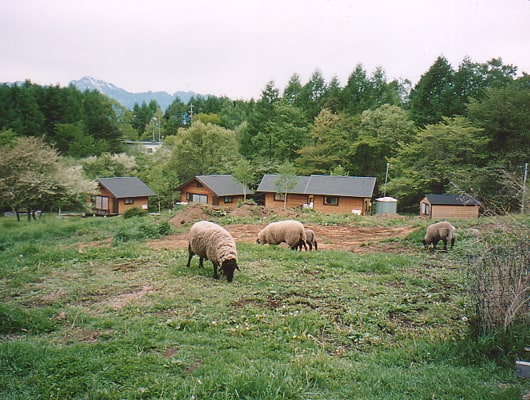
(191,113)
(524,187)
(386,178)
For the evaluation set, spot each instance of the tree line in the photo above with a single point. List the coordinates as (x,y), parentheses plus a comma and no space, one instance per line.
(457,130)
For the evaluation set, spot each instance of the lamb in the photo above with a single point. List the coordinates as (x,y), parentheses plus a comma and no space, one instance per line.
(288,231)
(440,231)
(213,242)
(310,240)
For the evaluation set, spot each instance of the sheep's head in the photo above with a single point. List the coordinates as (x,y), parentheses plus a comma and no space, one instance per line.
(228,267)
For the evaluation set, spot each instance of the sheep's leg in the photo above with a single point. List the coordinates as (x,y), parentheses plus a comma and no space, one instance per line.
(316,245)
(201,259)
(445,244)
(190,255)
(452,242)
(215,274)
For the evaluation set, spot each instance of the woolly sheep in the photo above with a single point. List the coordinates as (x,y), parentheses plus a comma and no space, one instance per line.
(213,242)
(288,231)
(440,231)
(310,240)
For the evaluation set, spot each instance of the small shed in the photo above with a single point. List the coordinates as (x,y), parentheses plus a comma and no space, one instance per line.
(117,195)
(449,206)
(215,190)
(386,205)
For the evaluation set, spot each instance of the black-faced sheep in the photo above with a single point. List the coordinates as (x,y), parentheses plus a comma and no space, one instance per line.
(288,231)
(440,231)
(310,240)
(213,242)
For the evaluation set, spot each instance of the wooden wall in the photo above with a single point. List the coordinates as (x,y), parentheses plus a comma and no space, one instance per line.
(454,212)
(345,204)
(212,199)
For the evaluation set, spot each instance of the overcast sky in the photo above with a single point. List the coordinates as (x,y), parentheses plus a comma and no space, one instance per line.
(234,47)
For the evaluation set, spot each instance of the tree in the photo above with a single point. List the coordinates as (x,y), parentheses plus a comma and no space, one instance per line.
(243,173)
(441,157)
(204,149)
(288,132)
(109,165)
(31,177)
(292,93)
(286,181)
(259,129)
(381,131)
(332,136)
(504,115)
(433,96)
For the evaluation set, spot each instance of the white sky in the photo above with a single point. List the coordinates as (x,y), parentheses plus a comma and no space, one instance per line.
(234,47)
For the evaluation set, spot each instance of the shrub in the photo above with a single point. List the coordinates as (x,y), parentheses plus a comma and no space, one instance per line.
(498,281)
(134,212)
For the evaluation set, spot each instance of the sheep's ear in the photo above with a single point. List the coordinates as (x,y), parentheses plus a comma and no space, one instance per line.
(237,268)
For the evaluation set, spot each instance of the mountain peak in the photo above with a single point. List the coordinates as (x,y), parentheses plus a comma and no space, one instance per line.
(128,99)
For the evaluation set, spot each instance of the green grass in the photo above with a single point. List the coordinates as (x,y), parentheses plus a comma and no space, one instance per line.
(88,315)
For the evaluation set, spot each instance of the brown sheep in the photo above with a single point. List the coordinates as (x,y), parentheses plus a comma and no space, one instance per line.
(443,231)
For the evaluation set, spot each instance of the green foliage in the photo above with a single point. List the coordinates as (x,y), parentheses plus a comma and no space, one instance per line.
(134,212)
(32,176)
(204,149)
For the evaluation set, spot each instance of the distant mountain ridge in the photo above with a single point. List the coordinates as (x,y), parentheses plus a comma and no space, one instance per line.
(128,99)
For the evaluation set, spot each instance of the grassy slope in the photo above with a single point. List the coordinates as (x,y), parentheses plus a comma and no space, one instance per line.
(87,312)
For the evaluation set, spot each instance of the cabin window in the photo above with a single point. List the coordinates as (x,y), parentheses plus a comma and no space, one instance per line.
(228,199)
(425,207)
(102,202)
(129,200)
(279,196)
(331,200)
(197,198)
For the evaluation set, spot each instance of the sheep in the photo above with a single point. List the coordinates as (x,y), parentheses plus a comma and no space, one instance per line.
(440,231)
(310,240)
(288,231)
(213,242)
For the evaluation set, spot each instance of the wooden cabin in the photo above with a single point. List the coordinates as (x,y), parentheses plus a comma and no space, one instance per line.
(215,190)
(441,206)
(322,193)
(117,195)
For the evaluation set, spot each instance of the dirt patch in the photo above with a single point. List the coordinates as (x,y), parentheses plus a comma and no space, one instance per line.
(197,212)
(124,299)
(339,237)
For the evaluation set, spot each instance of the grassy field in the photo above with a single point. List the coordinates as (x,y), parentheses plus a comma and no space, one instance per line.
(89,310)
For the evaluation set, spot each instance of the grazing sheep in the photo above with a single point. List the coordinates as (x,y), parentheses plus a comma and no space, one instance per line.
(440,231)
(211,241)
(289,231)
(310,240)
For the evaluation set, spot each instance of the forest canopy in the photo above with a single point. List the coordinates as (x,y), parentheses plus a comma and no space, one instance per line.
(455,130)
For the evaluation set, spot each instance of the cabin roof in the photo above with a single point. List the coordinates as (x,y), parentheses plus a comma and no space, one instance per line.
(330,185)
(129,186)
(220,185)
(451,200)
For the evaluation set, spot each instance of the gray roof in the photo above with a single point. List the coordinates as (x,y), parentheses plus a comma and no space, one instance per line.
(451,200)
(330,185)
(129,186)
(221,185)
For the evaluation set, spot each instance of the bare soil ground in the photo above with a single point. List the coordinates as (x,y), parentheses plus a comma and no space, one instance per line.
(347,237)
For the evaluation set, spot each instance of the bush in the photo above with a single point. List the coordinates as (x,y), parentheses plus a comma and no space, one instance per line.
(134,212)
(499,287)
